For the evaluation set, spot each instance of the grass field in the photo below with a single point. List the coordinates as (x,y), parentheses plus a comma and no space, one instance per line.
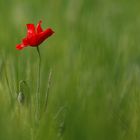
(94,56)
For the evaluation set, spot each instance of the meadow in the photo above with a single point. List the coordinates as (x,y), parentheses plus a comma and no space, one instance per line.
(94,57)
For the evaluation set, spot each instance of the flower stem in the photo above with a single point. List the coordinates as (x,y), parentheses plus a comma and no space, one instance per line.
(38,86)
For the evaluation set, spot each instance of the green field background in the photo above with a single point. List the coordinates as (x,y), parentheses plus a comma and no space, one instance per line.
(95,60)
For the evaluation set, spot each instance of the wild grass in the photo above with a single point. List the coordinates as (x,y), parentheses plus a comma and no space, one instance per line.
(94,56)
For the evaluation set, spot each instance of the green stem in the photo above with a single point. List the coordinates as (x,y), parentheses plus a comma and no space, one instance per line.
(48,88)
(38,85)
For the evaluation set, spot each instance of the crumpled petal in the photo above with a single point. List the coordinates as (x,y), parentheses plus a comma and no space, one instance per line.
(30,30)
(39,28)
(25,41)
(44,35)
(23,44)
(33,41)
(19,46)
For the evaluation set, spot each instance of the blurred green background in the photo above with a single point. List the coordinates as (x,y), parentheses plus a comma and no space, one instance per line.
(95,60)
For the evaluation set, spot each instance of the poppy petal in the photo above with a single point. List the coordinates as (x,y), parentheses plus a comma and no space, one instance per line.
(23,44)
(44,35)
(39,28)
(30,30)
(19,46)
(25,41)
(35,36)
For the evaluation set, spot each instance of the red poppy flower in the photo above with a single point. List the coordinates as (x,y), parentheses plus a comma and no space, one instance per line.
(35,36)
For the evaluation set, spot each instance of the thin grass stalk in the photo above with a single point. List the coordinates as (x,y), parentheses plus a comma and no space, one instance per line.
(48,89)
(8,85)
